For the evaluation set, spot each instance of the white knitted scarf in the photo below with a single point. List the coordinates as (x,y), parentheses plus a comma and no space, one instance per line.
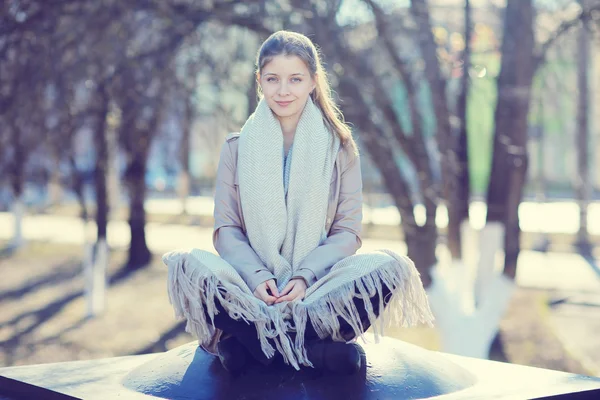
(283,232)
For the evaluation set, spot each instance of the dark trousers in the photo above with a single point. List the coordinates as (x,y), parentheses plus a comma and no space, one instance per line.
(246,333)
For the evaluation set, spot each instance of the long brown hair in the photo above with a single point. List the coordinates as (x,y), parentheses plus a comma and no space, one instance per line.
(295,44)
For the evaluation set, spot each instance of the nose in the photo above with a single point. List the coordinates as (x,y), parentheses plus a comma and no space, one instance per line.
(283,89)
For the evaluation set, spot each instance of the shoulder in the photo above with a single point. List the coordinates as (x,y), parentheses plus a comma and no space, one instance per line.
(232,136)
(229,149)
(347,157)
(231,143)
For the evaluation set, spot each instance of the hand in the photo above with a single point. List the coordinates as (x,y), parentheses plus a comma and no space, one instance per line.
(261,292)
(295,289)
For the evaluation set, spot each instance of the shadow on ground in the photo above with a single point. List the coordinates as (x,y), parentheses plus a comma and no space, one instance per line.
(61,288)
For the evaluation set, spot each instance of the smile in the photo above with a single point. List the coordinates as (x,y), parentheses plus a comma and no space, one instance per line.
(283,103)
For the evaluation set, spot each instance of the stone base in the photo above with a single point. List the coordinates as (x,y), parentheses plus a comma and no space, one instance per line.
(393,370)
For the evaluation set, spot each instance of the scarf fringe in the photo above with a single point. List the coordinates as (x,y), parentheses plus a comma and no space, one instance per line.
(193,292)
(193,296)
(408,305)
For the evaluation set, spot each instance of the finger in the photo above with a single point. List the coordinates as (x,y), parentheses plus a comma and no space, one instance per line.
(261,293)
(288,288)
(270,300)
(271,284)
(289,297)
(265,296)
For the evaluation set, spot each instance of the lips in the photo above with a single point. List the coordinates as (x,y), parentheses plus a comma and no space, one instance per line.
(283,103)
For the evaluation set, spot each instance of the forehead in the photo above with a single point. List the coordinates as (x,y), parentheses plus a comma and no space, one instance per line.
(285,65)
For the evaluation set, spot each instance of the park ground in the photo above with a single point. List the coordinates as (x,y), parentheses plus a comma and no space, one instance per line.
(549,322)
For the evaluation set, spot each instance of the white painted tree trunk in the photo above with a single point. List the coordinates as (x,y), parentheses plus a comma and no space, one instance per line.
(583,183)
(183,190)
(18,210)
(469,303)
(95,267)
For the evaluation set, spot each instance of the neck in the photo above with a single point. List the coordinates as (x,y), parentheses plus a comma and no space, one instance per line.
(289,124)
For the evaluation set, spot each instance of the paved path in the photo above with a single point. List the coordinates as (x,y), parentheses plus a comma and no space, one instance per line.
(551,217)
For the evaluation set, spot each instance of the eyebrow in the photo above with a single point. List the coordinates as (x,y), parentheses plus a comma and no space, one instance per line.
(274,74)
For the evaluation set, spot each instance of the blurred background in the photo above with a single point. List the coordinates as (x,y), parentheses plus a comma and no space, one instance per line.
(478,124)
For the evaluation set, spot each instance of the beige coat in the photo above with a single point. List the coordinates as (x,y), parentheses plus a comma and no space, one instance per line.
(343,224)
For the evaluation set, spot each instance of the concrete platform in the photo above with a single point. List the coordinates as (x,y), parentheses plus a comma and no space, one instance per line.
(393,370)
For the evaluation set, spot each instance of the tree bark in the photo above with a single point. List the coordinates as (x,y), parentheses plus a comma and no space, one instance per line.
(184,154)
(356,103)
(458,212)
(100,172)
(583,187)
(55,190)
(413,144)
(420,240)
(139,253)
(17,176)
(17,181)
(445,138)
(509,161)
(96,262)
(78,187)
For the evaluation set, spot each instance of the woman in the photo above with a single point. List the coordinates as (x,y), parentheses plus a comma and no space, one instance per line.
(288,211)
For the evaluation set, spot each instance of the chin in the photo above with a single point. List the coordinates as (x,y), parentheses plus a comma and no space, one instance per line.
(285,113)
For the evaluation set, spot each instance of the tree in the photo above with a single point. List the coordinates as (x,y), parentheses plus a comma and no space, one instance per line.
(509,163)
(583,184)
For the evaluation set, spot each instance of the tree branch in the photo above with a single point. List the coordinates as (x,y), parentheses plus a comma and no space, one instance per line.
(560,31)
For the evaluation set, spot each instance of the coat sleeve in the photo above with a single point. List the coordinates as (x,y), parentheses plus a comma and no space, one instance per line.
(229,239)
(344,236)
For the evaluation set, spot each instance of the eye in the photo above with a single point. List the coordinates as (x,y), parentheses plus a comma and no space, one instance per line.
(271,79)
(296,80)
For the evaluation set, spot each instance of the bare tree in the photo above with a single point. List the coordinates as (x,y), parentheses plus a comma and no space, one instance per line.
(459,211)
(509,164)
(583,185)
(444,131)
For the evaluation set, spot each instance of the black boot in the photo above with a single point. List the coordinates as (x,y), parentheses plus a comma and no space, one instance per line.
(232,354)
(335,357)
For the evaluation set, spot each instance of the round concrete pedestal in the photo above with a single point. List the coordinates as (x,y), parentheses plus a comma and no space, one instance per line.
(391,369)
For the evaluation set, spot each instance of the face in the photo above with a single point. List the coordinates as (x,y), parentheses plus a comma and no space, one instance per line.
(286,84)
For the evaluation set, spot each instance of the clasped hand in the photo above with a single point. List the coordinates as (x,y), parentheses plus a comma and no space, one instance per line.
(295,289)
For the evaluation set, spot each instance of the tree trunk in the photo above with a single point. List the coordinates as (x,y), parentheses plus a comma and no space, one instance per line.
(583,187)
(78,187)
(101,170)
(184,175)
(458,211)
(139,254)
(17,180)
(55,191)
(97,261)
(509,161)
(446,141)
(357,106)
(421,241)
(112,172)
